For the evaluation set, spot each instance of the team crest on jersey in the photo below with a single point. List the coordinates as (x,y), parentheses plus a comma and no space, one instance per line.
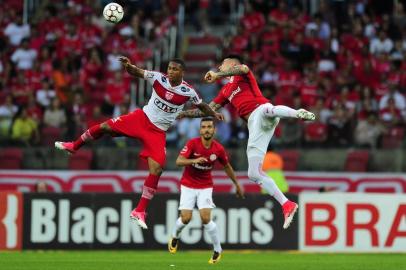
(213,157)
(169,95)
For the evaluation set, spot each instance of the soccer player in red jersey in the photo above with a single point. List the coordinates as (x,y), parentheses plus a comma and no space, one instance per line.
(243,93)
(198,156)
(169,95)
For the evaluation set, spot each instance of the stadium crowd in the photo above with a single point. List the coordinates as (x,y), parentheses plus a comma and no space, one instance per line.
(346,62)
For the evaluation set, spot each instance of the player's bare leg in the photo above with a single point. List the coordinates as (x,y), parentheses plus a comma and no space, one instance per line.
(148,192)
(181,222)
(211,228)
(93,133)
(287,112)
(256,174)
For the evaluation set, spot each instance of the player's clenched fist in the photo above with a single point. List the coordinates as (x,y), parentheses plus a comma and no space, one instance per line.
(200,160)
(210,76)
(124,61)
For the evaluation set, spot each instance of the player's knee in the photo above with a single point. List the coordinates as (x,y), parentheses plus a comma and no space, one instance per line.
(155,170)
(254,175)
(205,219)
(154,167)
(185,218)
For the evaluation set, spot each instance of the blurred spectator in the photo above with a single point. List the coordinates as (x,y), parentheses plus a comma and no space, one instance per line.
(16,30)
(188,128)
(321,111)
(41,187)
(96,118)
(400,100)
(292,133)
(7,113)
(45,94)
(339,128)
(390,115)
(368,132)
(24,56)
(367,103)
(55,116)
(24,129)
(381,44)
(115,91)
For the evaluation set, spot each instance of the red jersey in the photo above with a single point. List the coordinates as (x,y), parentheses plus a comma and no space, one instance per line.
(199,175)
(243,93)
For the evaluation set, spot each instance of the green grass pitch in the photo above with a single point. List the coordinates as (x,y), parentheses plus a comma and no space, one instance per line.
(196,260)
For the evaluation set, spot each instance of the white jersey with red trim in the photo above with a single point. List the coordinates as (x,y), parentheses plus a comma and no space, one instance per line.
(167,102)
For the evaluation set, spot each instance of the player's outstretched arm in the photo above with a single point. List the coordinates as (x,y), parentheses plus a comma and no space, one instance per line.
(197,113)
(230,173)
(182,161)
(212,76)
(131,69)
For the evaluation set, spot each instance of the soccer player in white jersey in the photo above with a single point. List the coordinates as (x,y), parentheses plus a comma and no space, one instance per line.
(243,93)
(149,125)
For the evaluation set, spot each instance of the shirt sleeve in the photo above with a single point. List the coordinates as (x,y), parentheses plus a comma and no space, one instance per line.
(195,98)
(151,76)
(223,157)
(220,98)
(187,150)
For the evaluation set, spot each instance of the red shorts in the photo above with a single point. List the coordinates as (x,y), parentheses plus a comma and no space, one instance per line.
(137,125)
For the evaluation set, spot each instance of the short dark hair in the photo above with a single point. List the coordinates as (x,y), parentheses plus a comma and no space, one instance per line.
(179,61)
(208,119)
(233,56)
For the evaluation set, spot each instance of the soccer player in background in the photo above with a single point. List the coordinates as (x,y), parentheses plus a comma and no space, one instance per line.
(149,125)
(243,93)
(196,185)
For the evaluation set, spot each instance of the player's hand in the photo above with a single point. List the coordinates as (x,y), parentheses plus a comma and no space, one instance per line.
(124,61)
(219,116)
(200,160)
(210,76)
(239,192)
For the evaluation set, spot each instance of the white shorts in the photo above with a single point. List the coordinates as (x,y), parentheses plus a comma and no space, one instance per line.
(189,197)
(261,129)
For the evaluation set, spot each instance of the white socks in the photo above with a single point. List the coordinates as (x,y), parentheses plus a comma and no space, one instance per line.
(256,174)
(178,228)
(281,111)
(211,229)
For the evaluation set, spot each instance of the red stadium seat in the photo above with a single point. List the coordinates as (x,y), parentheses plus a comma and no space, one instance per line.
(290,159)
(357,161)
(315,132)
(11,158)
(49,135)
(394,138)
(81,160)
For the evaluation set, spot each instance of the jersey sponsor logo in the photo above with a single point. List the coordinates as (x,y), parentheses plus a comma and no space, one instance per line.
(164,107)
(213,157)
(163,79)
(201,167)
(169,95)
(235,92)
(184,89)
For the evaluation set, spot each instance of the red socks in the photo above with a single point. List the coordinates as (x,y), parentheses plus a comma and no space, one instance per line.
(91,134)
(148,191)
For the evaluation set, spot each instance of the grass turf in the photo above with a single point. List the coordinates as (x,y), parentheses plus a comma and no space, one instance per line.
(195,260)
